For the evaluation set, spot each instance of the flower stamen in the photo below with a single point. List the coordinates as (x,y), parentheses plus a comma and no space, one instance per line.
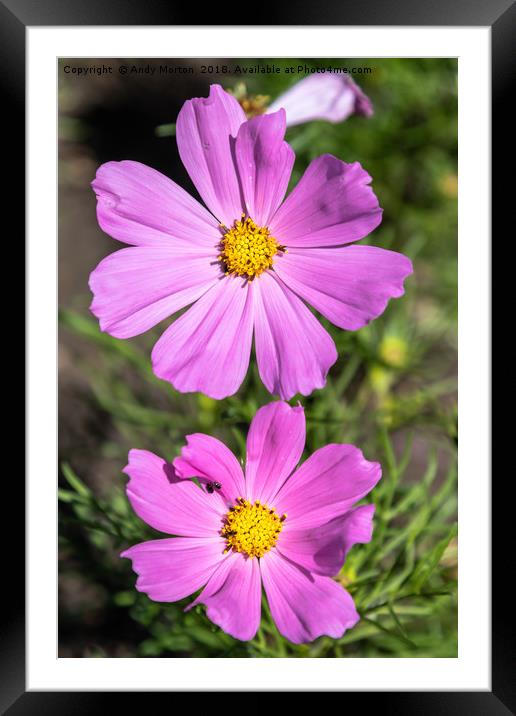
(254,105)
(247,249)
(251,528)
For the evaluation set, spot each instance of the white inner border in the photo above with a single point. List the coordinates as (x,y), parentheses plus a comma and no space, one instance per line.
(471,670)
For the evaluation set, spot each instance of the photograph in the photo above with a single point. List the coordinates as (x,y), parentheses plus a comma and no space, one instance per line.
(257,358)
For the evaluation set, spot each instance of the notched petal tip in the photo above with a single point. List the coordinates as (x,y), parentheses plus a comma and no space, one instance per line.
(98,183)
(282,114)
(216,89)
(134,454)
(375,468)
(270,118)
(408,269)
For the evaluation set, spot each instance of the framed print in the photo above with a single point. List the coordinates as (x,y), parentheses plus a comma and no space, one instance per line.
(256,281)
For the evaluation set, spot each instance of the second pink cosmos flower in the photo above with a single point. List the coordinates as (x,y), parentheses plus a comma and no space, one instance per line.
(249,263)
(274,525)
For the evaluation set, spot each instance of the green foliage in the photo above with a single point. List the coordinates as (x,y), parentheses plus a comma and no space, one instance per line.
(392,393)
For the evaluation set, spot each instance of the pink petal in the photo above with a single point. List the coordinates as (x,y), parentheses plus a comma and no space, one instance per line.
(138,205)
(265,164)
(208,458)
(322,96)
(233,597)
(363,104)
(332,204)
(166,502)
(323,549)
(305,606)
(293,350)
(206,129)
(326,485)
(350,285)
(136,288)
(275,444)
(172,569)
(207,349)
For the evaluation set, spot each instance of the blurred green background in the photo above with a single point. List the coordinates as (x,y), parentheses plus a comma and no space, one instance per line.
(392,391)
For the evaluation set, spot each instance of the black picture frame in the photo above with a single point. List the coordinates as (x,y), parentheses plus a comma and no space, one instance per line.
(500,15)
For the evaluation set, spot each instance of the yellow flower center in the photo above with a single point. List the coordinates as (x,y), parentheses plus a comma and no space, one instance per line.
(248,249)
(254,105)
(251,528)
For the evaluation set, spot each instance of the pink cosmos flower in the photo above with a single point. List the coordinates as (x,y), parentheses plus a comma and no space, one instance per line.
(249,265)
(287,529)
(333,97)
